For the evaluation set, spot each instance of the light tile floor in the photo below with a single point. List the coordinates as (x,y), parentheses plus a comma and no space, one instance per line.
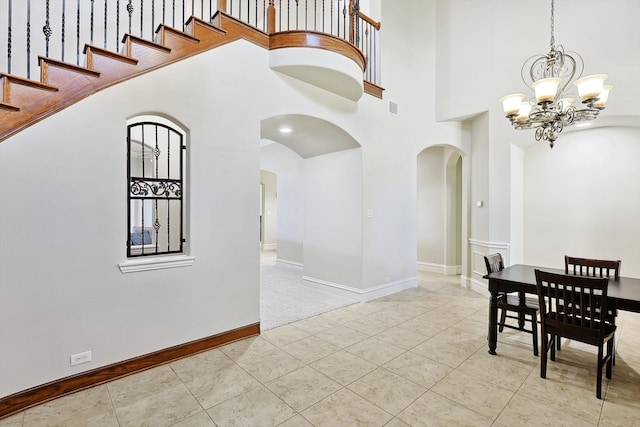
(416,358)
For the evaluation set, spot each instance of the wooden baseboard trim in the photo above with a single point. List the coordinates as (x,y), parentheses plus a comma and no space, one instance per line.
(25,399)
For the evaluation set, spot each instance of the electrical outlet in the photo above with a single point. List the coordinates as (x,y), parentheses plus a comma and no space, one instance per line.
(79,358)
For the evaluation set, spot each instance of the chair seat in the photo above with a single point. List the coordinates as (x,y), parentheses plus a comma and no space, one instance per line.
(512,302)
(582,333)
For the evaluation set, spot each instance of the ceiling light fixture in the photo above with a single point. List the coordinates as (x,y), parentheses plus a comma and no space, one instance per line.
(551,77)
(285,130)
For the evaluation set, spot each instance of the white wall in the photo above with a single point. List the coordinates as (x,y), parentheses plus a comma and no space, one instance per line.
(431,207)
(63,224)
(269,182)
(333,218)
(582,198)
(290,198)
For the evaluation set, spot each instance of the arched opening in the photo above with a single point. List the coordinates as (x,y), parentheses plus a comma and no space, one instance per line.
(316,168)
(440,210)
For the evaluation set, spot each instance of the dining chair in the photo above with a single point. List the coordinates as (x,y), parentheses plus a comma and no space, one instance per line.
(514,302)
(595,268)
(592,267)
(583,320)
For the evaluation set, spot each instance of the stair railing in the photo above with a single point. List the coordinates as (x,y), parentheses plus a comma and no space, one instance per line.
(61,28)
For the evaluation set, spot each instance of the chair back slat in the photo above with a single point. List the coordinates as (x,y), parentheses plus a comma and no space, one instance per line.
(494,262)
(573,301)
(592,267)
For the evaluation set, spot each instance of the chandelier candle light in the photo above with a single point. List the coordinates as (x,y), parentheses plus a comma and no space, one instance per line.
(551,77)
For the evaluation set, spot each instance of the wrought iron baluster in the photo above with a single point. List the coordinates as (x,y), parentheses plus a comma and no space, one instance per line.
(47,29)
(78,32)
(130,12)
(164,11)
(141,18)
(63,28)
(280,15)
(182,15)
(153,17)
(338,20)
(9,39)
(297,14)
(117,23)
(28,38)
(173,23)
(356,18)
(91,22)
(105,24)
(202,9)
(323,16)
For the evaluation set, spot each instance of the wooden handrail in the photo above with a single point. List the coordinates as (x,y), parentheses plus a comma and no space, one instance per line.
(373,23)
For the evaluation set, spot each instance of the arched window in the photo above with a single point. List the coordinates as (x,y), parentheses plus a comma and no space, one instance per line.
(155,187)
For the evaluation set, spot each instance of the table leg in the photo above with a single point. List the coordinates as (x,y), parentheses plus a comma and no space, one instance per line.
(493,322)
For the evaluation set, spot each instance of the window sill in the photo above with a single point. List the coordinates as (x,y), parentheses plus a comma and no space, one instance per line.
(136,265)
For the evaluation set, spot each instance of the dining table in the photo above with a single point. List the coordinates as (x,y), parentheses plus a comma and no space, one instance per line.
(623,293)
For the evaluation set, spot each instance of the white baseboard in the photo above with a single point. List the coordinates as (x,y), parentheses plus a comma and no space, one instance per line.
(449,270)
(286,261)
(361,295)
(478,286)
(269,246)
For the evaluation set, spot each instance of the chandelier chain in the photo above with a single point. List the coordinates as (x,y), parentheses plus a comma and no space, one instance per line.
(553,40)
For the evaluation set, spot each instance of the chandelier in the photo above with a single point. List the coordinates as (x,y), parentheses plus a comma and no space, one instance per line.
(551,77)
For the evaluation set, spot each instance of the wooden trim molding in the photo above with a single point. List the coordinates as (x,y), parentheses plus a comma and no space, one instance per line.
(22,400)
(373,89)
(317,40)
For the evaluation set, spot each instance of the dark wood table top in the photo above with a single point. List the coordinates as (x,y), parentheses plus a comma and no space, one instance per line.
(623,294)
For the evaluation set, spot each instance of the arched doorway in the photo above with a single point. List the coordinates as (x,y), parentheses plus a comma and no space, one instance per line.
(440,210)
(318,167)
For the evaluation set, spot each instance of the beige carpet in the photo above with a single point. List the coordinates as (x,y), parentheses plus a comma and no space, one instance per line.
(285,299)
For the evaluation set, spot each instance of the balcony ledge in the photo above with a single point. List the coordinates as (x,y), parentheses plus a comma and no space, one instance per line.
(319,59)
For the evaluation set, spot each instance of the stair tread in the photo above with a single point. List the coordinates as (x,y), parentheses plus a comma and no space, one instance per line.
(110,54)
(72,67)
(145,42)
(9,107)
(28,82)
(182,34)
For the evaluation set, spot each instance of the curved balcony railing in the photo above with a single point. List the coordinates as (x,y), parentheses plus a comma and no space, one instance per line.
(61,28)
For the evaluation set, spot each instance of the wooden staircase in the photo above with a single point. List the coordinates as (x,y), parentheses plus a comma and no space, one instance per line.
(25,102)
